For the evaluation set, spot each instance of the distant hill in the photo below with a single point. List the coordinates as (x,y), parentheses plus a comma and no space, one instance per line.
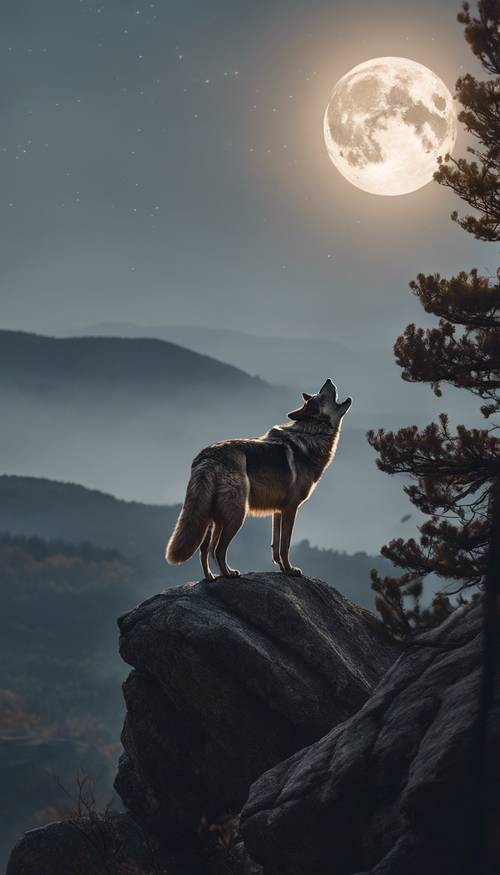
(32,362)
(52,510)
(36,507)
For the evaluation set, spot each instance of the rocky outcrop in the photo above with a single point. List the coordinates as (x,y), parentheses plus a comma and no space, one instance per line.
(231,677)
(394,788)
(242,680)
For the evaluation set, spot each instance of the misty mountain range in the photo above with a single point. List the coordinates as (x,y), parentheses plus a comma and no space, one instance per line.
(127,416)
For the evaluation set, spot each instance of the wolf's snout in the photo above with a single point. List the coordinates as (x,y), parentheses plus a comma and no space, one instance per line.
(328,386)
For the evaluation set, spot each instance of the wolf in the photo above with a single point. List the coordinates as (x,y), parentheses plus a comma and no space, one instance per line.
(272,475)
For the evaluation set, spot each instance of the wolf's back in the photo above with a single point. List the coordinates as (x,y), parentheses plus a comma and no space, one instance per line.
(194,517)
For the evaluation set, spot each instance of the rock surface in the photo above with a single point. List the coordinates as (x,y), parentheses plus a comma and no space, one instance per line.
(230,678)
(392,789)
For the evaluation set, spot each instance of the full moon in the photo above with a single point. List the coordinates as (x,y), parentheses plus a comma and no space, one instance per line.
(387,122)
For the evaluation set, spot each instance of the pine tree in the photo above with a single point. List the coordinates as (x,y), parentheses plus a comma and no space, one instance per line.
(454,474)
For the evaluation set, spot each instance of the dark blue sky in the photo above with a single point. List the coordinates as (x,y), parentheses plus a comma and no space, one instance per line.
(163,162)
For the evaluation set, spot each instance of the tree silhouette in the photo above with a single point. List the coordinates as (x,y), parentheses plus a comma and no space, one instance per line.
(454,474)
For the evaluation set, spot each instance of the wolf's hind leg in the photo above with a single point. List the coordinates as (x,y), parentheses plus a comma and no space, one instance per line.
(287,520)
(228,532)
(230,528)
(275,543)
(204,548)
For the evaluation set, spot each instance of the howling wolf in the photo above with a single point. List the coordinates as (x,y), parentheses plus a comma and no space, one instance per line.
(267,476)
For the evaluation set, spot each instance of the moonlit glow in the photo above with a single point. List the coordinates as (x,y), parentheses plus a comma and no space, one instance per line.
(387,122)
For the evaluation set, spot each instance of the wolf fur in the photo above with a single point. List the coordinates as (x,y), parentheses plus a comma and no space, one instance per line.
(267,476)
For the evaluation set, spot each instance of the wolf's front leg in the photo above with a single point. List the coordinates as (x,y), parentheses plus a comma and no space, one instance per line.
(275,543)
(287,521)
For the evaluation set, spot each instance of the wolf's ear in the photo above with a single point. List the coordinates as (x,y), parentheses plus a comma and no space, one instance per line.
(306,396)
(308,410)
(300,413)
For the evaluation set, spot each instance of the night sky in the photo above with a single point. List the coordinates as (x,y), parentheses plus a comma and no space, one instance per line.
(163,163)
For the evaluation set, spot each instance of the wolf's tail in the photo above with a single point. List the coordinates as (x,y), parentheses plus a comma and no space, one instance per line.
(194,517)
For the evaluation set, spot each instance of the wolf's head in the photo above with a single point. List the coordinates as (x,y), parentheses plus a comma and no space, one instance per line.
(323,405)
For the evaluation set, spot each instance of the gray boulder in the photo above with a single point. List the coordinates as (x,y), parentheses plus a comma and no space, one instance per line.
(393,789)
(230,678)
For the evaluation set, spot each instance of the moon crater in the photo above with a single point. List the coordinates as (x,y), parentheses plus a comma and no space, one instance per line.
(387,122)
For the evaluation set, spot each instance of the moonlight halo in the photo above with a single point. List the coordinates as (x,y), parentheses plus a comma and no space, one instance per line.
(387,122)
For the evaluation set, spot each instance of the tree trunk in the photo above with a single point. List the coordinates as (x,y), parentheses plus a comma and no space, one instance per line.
(489,788)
